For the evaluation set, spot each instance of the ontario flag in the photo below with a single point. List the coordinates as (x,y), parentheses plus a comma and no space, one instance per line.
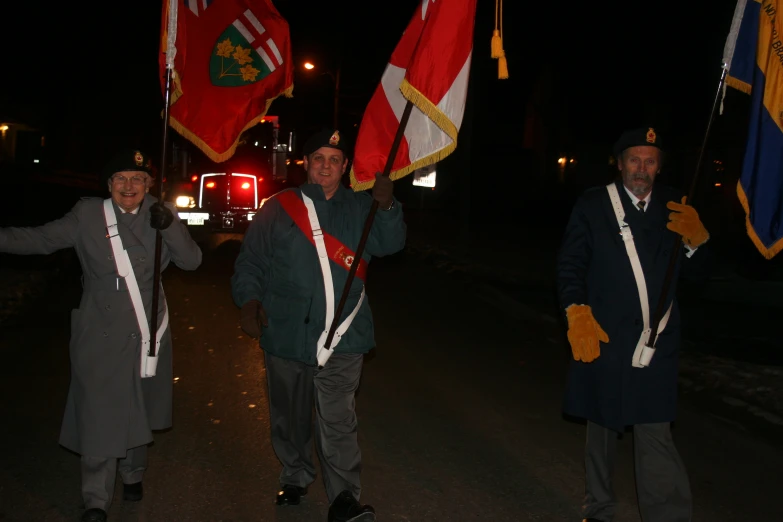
(753,57)
(230,60)
(430,67)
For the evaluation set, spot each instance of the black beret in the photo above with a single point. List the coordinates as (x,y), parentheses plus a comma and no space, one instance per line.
(643,136)
(124,161)
(325,138)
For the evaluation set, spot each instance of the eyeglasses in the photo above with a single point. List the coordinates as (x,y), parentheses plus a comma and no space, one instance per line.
(118,179)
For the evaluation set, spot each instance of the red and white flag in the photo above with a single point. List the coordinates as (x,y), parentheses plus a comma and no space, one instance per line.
(429,67)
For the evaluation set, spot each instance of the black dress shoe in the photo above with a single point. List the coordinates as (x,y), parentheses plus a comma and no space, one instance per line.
(94,515)
(591,520)
(346,508)
(132,492)
(290,495)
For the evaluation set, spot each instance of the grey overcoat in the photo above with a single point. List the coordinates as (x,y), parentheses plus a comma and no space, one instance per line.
(110,408)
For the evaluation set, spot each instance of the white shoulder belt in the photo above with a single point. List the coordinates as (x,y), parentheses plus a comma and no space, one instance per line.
(149,364)
(323,354)
(643,353)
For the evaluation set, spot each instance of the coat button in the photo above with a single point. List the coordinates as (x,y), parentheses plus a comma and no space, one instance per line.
(106,334)
(142,259)
(108,307)
(110,258)
(133,335)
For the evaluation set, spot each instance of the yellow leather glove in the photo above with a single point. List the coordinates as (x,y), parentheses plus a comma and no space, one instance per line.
(685,221)
(584,332)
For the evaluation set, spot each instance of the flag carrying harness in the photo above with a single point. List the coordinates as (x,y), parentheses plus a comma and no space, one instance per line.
(328,247)
(643,354)
(148,363)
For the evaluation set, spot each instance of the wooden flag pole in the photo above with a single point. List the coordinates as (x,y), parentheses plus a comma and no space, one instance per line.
(368,224)
(675,251)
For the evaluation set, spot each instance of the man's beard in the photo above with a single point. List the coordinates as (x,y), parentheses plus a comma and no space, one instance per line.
(639,190)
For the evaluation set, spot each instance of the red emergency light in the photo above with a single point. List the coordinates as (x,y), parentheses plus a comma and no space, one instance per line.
(194,178)
(245,185)
(210,184)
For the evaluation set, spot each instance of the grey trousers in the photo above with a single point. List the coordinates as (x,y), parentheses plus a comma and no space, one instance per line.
(99,475)
(294,390)
(662,484)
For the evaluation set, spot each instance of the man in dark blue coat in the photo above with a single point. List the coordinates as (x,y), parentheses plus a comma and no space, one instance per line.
(611,269)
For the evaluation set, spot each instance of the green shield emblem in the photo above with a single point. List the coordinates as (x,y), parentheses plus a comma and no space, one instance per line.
(234,62)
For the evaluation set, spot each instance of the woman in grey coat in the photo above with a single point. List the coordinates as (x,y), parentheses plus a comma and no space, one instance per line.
(111,409)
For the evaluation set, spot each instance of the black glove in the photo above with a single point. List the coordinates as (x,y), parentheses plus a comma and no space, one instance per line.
(382,191)
(160,216)
(251,318)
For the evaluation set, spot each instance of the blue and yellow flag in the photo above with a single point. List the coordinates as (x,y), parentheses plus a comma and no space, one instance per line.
(754,60)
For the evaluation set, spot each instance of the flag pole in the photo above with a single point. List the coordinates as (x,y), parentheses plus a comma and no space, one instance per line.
(675,251)
(158,188)
(368,224)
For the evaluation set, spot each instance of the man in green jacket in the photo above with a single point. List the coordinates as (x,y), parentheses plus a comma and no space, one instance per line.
(288,278)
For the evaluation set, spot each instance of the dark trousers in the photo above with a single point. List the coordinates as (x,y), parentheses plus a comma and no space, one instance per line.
(662,484)
(99,475)
(294,390)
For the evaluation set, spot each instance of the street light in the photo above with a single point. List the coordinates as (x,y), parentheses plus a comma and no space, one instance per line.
(336,79)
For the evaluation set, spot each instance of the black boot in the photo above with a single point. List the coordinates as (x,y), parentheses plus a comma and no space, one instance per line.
(132,492)
(94,515)
(346,508)
(290,495)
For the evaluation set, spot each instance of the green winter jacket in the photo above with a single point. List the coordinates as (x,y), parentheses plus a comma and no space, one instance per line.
(278,266)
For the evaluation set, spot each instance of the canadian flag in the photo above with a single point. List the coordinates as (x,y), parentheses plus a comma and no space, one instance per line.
(429,67)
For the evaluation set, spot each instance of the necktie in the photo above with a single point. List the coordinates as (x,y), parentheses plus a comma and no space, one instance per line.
(641,204)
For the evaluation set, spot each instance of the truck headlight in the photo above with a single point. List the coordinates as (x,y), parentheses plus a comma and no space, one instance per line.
(185,202)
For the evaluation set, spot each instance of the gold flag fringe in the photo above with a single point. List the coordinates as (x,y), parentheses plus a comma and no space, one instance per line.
(433,113)
(768,253)
(219,157)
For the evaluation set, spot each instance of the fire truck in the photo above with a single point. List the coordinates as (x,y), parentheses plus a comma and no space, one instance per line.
(224,197)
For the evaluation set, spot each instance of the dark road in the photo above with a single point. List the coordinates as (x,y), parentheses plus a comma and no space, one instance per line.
(459,412)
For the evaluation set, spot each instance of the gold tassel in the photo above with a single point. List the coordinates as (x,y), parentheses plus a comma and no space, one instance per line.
(497,44)
(502,66)
(497,39)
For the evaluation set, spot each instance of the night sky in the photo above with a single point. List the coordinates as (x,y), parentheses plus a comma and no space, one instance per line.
(88,72)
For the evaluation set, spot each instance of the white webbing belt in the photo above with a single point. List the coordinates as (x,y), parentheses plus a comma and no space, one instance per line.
(322,353)
(643,353)
(149,364)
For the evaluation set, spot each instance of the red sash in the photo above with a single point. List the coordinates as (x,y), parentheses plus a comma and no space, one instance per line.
(337,252)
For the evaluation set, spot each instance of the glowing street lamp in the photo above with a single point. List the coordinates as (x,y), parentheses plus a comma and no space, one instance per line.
(336,79)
